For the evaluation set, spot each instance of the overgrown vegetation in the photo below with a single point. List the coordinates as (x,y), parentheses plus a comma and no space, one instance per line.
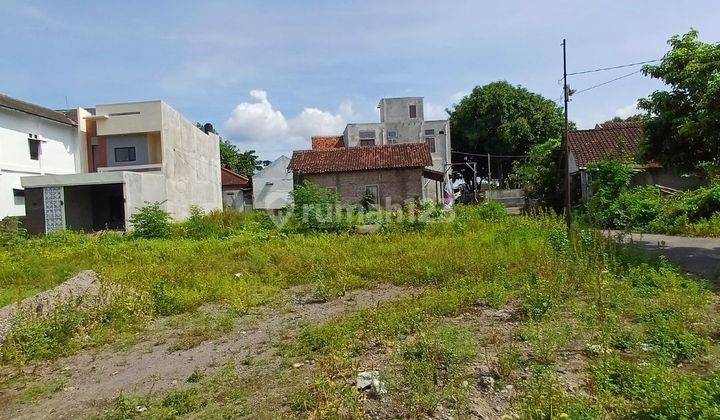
(643,335)
(614,204)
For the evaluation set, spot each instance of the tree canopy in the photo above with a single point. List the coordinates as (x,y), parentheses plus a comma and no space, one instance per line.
(244,163)
(500,118)
(541,175)
(683,125)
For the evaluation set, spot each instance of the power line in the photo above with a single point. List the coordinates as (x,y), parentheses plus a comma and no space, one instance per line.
(613,67)
(607,82)
(491,155)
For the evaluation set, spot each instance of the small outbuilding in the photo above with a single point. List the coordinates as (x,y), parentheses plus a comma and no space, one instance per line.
(236,190)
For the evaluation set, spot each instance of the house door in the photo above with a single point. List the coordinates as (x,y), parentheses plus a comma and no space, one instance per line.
(54,209)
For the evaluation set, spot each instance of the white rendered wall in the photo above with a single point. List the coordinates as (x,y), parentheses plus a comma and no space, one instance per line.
(61,152)
(272,186)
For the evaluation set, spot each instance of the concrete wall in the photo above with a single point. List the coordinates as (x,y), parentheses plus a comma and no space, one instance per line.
(128,118)
(61,152)
(395,186)
(142,188)
(351,136)
(191,165)
(139,141)
(272,186)
(397,109)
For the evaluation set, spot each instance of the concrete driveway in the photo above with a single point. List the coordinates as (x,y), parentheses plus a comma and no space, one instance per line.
(700,256)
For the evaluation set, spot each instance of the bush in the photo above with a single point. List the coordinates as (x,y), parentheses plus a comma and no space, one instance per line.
(151,222)
(317,209)
(11,231)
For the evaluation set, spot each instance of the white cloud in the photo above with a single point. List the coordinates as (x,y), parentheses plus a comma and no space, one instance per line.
(256,120)
(314,122)
(435,112)
(458,96)
(260,127)
(627,111)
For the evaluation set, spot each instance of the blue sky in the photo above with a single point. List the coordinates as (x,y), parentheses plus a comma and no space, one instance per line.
(268,73)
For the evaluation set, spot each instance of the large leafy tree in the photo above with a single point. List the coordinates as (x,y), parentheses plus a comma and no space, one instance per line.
(683,125)
(500,118)
(540,174)
(245,163)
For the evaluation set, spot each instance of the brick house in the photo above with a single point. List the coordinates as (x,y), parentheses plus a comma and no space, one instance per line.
(392,173)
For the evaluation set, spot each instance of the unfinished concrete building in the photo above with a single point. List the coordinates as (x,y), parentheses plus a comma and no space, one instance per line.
(137,153)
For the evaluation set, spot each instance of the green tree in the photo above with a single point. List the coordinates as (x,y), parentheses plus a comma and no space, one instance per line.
(632,118)
(540,174)
(683,125)
(500,118)
(609,179)
(245,163)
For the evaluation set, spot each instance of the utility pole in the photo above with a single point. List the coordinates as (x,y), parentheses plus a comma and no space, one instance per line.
(489,174)
(566,143)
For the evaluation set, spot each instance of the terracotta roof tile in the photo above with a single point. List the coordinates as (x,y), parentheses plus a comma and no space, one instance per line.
(406,155)
(327,142)
(233,179)
(612,140)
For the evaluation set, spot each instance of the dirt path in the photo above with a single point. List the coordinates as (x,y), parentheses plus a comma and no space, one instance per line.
(96,377)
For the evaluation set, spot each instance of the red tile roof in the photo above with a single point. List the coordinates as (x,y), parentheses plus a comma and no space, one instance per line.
(406,155)
(234,179)
(611,140)
(327,142)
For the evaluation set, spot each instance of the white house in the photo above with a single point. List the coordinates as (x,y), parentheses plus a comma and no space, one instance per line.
(34,141)
(138,152)
(272,185)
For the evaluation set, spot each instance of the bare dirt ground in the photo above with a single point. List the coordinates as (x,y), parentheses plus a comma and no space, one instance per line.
(96,377)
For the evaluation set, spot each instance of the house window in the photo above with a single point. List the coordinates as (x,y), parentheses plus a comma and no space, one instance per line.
(18,192)
(431,143)
(367,138)
(392,137)
(430,132)
(124,154)
(34,146)
(412,109)
(372,192)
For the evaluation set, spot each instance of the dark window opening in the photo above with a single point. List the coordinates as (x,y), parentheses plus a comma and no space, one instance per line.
(430,132)
(367,138)
(413,111)
(124,154)
(18,192)
(34,145)
(431,143)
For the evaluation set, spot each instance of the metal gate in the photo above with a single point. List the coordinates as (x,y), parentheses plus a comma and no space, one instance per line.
(54,209)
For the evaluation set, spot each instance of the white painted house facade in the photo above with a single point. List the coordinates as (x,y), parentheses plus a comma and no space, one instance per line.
(272,185)
(34,141)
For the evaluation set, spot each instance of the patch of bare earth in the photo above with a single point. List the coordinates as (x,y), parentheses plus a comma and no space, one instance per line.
(492,386)
(97,377)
